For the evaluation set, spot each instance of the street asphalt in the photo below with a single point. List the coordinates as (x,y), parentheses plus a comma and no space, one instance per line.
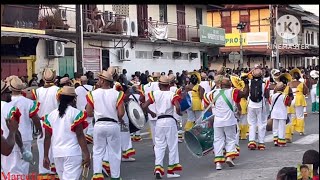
(251,165)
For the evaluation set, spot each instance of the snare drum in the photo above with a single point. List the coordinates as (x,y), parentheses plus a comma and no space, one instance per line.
(137,119)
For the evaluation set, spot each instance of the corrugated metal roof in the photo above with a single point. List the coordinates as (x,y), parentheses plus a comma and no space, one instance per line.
(30,35)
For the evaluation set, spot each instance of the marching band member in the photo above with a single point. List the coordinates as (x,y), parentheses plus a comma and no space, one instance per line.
(81,102)
(315,91)
(166,133)
(205,84)
(300,90)
(279,103)
(47,96)
(106,105)
(28,110)
(225,100)
(64,133)
(65,81)
(256,110)
(9,113)
(196,92)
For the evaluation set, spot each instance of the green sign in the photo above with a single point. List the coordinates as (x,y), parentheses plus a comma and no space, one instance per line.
(212,35)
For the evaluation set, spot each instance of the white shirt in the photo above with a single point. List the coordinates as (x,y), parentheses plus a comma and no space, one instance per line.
(81,96)
(28,109)
(163,101)
(48,98)
(206,86)
(252,104)
(151,86)
(223,115)
(64,140)
(6,113)
(280,109)
(105,102)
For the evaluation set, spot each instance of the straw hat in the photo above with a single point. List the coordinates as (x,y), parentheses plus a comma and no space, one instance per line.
(314,74)
(280,86)
(8,79)
(257,73)
(237,82)
(4,86)
(156,75)
(112,70)
(64,80)
(203,75)
(197,74)
(150,79)
(16,84)
(48,75)
(68,91)
(286,75)
(273,72)
(221,70)
(105,75)
(295,70)
(218,79)
(83,78)
(172,78)
(164,80)
(243,75)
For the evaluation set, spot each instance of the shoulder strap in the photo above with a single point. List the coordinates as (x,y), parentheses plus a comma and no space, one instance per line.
(84,87)
(275,102)
(221,93)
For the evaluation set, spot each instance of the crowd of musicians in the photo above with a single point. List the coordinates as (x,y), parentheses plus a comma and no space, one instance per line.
(68,115)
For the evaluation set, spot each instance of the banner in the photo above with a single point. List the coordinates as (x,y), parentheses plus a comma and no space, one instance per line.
(158,31)
(212,35)
(248,39)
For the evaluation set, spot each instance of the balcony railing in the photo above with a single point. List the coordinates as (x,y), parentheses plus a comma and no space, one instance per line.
(175,31)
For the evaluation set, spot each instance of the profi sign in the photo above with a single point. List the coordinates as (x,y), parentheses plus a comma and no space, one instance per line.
(233,39)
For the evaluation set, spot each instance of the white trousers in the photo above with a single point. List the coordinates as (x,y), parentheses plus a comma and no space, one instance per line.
(152,124)
(279,128)
(256,118)
(126,142)
(166,136)
(194,116)
(14,164)
(224,137)
(237,134)
(68,168)
(299,112)
(313,95)
(89,129)
(40,144)
(243,119)
(106,138)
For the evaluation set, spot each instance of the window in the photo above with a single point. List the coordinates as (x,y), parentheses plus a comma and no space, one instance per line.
(312,38)
(198,16)
(163,13)
(317,39)
(226,21)
(245,18)
(307,34)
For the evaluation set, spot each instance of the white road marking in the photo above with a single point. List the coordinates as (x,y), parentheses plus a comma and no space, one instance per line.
(308,139)
(268,138)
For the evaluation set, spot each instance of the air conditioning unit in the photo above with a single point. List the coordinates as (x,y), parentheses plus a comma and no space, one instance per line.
(63,13)
(133,28)
(193,55)
(55,49)
(176,54)
(126,27)
(156,54)
(124,54)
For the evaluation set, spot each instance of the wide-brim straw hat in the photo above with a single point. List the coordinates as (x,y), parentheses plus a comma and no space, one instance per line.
(156,75)
(164,80)
(68,91)
(197,74)
(237,82)
(105,75)
(112,70)
(16,84)
(294,71)
(257,73)
(64,80)
(48,75)
(314,74)
(83,78)
(243,75)
(4,86)
(286,75)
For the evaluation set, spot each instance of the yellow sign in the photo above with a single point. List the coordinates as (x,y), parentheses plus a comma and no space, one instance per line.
(233,39)
(22,30)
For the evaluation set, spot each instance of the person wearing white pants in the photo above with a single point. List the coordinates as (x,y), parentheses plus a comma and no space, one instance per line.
(166,133)
(279,103)
(106,105)
(314,93)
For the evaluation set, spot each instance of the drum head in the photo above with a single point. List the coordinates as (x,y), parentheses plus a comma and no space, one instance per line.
(135,114)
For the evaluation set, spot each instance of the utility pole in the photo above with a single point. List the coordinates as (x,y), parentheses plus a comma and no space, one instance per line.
(241,26)
(79,38)
(276,35)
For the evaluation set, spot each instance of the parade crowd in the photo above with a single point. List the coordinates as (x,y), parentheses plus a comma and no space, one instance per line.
(68,114)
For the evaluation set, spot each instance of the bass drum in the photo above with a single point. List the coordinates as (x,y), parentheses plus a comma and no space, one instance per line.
(137,119)
(199,139)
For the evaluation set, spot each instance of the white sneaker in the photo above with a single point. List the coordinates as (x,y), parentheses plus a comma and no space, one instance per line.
(174,175)
(180,141)
(230,162)
(158,175)
(130,159)
(218,166)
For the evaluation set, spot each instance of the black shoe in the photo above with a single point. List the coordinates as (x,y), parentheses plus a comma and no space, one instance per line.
(158,176)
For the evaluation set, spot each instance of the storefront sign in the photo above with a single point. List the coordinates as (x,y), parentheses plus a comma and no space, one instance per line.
(212,35)
(248,39)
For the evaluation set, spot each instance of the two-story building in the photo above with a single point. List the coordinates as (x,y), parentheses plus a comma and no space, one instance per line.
(310,26)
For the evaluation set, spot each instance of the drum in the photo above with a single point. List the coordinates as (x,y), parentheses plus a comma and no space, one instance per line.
(199,139)
(137,119)
(269,124)
(185,103)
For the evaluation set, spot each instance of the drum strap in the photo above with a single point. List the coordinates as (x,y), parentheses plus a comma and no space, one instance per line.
(221,93)
(107,119)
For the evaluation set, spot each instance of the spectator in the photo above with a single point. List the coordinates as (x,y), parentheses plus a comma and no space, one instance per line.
(287,173)
(33,81)
(305,171)
(312,157)
(90,78)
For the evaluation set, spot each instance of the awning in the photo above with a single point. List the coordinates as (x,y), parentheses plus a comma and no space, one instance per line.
(30,35)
